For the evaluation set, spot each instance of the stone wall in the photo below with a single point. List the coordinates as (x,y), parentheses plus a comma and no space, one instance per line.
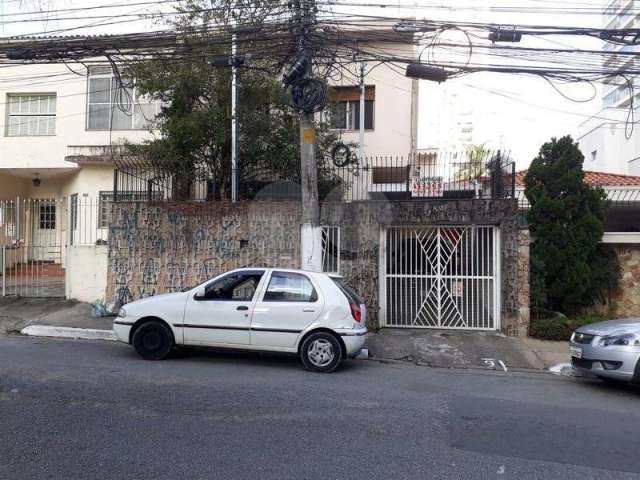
(360,229)
(166,247)
(625,301)
(518,324)
(155,248)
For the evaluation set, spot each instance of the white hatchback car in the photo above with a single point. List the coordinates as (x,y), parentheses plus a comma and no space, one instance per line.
(315,315)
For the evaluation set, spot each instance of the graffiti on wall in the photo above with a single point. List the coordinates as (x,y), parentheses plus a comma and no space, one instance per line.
(169,247)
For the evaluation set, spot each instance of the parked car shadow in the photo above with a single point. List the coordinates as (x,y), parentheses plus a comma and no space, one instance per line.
(203,355)
(611,386)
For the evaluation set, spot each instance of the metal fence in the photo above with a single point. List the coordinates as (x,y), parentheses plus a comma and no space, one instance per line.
(89,219)
(623,208)
(36,235)
(420,176)
(32,247)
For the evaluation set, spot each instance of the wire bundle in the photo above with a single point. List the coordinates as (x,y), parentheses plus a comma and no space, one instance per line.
(266,35)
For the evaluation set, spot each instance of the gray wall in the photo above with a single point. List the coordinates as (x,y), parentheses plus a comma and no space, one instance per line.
(166,247)
(155,248)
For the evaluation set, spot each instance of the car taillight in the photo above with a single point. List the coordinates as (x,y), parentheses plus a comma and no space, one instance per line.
(355,312)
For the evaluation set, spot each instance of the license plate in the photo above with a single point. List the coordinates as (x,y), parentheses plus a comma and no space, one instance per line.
(575,352)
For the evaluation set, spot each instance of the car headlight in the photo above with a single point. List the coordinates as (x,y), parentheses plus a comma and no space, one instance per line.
(624,340)
(122,313)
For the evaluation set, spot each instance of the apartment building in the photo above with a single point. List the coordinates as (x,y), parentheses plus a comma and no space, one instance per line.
(607,140)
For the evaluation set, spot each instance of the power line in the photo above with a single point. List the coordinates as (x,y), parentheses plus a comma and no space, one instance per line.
(87,8)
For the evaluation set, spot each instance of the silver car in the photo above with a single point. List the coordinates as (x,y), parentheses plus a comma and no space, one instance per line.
(610,350)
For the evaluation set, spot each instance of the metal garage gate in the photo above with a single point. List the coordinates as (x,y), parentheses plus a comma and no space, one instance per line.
(441,277)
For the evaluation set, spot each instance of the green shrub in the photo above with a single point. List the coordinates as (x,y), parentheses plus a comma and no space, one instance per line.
(570,268)
(560,328)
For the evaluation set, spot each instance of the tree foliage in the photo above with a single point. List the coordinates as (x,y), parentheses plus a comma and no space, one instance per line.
(193,130)
(474,164)
(571,268)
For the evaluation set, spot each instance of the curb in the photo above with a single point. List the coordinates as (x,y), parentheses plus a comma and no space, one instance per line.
(68,332)
(459,368)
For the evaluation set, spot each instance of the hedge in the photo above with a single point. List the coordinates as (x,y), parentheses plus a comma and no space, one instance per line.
(560,328)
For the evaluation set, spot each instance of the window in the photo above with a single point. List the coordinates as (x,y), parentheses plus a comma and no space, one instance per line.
(237,287)
(331,249)
(74,216)
(346,115)
(113,107)
(47,216)
(104,204)
(348,290)
(594,155)
(290,287)
(344,108)
(381,175)
(31,115)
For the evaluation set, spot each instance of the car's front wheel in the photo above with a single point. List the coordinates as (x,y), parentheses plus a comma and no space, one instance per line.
(321,352)
(636,374)
(152,340)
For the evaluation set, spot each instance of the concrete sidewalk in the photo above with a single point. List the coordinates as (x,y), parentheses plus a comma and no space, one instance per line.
(459,349)
(550,353)
(437,348)
(17,313)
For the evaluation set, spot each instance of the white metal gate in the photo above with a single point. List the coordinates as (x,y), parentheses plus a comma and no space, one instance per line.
(441,277)
(32,233)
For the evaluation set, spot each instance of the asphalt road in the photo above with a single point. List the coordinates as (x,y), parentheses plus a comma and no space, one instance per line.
(93,410)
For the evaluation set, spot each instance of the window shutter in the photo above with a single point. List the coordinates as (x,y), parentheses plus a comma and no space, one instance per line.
(351,94)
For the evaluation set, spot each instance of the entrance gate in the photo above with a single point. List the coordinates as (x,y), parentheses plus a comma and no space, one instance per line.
(32,243)
(441,277)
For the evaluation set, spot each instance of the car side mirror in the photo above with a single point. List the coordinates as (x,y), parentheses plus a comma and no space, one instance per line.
(200,293)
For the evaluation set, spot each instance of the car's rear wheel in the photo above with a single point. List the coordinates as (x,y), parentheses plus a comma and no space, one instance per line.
(152,340)
(321,352)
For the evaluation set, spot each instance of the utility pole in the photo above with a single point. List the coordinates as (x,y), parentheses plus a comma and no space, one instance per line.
(311,232)
(234,118)
(362,95)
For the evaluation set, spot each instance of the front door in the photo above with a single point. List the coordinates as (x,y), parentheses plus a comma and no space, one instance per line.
(223,314)
(44,245)
(289,304)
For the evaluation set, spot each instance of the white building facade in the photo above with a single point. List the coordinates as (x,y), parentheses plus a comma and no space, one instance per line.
(452,124)
(62,128)
(608,140)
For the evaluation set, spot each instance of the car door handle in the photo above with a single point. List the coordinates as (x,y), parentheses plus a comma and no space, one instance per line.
(308,309)
(242,307)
